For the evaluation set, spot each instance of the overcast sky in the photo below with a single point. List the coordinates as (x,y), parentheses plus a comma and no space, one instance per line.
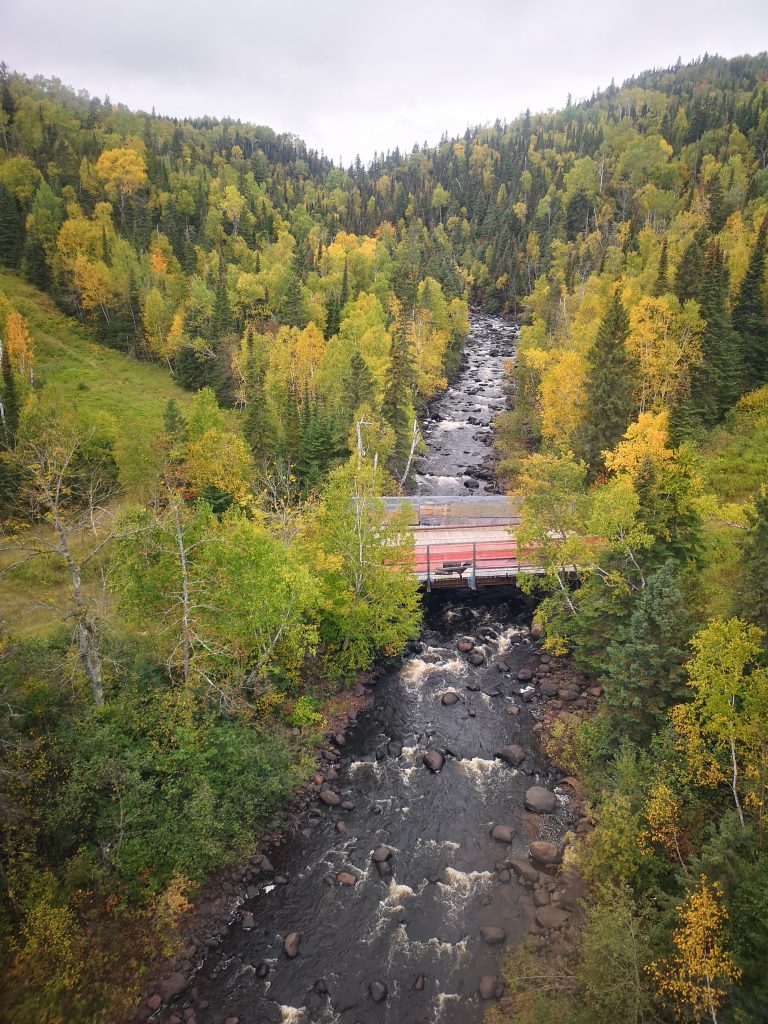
(355,76)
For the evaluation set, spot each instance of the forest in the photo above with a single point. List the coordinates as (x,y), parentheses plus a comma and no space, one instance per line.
(216,346)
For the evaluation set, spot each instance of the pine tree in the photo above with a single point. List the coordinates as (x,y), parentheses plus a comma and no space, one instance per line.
(610,405)
(645,667)
(397,406)
(752,595)
(661,284)
(332,317)
(715,382)
(11,229)
(360,388)
(344,294)
(174,422)
(11,401)
(690,272)
(292,311)
(258,424)
(750,318)
(718,214)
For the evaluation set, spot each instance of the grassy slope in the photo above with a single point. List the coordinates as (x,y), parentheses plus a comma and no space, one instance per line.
(97,379)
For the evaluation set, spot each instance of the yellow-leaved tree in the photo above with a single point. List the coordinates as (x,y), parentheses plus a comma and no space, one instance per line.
(696,978)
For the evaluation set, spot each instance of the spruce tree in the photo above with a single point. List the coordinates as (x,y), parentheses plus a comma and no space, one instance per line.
(646,672)
(174,422)
(752,595)
(360,387)
(344,294)
(11,229)
(690,272)
(332,317)
(397,405)
(11,403)
(750,319)
(292,311)
(258,425)
(661,284)
(718,214)
(610,403)
(715,382)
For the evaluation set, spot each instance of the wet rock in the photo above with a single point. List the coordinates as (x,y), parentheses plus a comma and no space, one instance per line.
(540,800)
(465,646)
(513,754)
(471,712)
(489,986)
(384,868)
(172,986)
(394,749)
(346,878)
(421,981)
(155,1001)
(329,798)
(502,666)
(502,833)
(291,944)
(545,853)
(551,917)
(340,826)
(381,853)
(248,922)
(378,991)
(524,870)
(347,805)
(525,674)
(504,876)
(541,897)
(493,936)
(262,970)
(513,710)
(231,1020)
(476,658)
(449,697)
(434,760)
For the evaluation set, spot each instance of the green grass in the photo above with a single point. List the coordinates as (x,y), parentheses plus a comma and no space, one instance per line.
(97,378)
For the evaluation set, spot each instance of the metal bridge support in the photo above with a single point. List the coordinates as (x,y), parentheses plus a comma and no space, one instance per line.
(429,575)
(473,573)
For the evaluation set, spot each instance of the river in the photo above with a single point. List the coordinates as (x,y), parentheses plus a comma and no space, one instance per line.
(416,931)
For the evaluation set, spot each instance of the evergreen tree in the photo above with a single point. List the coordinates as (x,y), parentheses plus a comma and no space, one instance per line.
(292,310)
(690,272)
(360,387)
(174,422)
(397,405)
(344,294)
(610,405)
(11,229)
(646,672)
(661,284)
(11,403)
(750,318)
(718,214)
(752,595)
(258,424)
(193,369)
(332,317)
(715,382)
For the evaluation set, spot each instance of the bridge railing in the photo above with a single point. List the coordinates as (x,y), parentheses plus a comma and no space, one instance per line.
(436,563)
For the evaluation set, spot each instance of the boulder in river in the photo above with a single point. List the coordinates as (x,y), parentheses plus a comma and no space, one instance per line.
(291,944)
(502,833)
(476,658)
(346,878)
(378,991)
(434,760)
(489,984)
(540,800)
(551,916)
(381,853)
(329,798)
(493,936)
(449,697)
(513,754)
(545,853)
(172,986)
(465,646)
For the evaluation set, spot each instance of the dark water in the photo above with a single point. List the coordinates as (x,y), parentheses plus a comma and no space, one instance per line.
(426,919)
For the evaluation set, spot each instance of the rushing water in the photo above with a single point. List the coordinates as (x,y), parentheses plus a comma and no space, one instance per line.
(418,932)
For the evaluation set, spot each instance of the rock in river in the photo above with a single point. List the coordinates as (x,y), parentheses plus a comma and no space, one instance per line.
(381,853)
(434,760)
(476,658)
(502,833)
(551,916)
(488,985)
(493,936)
(513,754)
(346,878)
(449,697)
(329,798)
(545,853)
(378,991)
(291,944)
(540,800)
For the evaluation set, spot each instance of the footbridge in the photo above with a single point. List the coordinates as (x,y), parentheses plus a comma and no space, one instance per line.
(466,541)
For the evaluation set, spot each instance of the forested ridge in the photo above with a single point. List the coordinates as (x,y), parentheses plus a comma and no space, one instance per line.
(214,581)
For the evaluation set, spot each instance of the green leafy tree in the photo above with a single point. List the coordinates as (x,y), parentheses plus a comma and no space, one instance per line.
(750,318)
(752,595)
